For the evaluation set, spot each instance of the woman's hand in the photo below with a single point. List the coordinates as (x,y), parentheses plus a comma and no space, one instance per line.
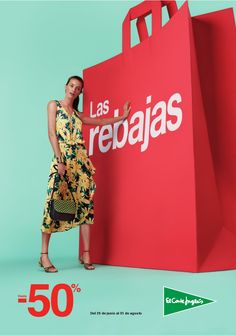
(126,109)
(61,169)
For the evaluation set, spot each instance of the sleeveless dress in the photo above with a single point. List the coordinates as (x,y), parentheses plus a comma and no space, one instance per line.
(79,170)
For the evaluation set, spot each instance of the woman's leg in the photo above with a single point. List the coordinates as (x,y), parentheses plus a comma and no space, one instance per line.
(45,243)
(85,231)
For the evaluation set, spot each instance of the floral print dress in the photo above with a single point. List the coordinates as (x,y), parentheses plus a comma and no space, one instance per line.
(79,171)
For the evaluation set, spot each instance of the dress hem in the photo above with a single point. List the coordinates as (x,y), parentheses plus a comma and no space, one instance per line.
(49,231)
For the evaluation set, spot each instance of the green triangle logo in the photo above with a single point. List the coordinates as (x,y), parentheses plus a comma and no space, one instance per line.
(177,301)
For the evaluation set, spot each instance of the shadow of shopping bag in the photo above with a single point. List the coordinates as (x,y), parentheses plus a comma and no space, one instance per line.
(166,176)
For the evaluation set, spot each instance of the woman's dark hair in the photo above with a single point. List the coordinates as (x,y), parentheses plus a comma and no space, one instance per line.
(76,101)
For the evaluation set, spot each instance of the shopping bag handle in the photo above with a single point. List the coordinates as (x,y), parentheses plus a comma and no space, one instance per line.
(65,177)
(139,12)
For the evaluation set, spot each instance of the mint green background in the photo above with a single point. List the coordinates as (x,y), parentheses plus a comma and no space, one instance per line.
(43,43)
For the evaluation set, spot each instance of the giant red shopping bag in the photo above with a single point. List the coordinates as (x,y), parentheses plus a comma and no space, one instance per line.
(166,176)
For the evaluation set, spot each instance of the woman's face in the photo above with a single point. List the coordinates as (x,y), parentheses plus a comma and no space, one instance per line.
(73,88)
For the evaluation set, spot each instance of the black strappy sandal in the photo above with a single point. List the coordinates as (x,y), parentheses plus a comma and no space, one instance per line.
(46,268)
(87,266)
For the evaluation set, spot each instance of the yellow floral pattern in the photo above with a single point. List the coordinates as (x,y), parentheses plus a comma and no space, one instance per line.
(79,171)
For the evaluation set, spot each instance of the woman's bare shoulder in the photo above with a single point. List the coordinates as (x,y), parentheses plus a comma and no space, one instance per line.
(52,105)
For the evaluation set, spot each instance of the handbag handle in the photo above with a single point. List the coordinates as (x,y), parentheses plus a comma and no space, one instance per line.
(66,179)
(140,11)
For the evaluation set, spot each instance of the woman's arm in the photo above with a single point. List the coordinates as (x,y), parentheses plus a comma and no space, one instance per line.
(104,121)
(52,110)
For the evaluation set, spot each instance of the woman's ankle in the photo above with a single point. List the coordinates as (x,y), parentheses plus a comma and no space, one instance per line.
(44,255)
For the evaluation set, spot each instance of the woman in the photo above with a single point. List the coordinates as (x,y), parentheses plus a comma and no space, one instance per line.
(71,160)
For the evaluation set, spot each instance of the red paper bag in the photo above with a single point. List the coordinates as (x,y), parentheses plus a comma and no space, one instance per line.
(166,181)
